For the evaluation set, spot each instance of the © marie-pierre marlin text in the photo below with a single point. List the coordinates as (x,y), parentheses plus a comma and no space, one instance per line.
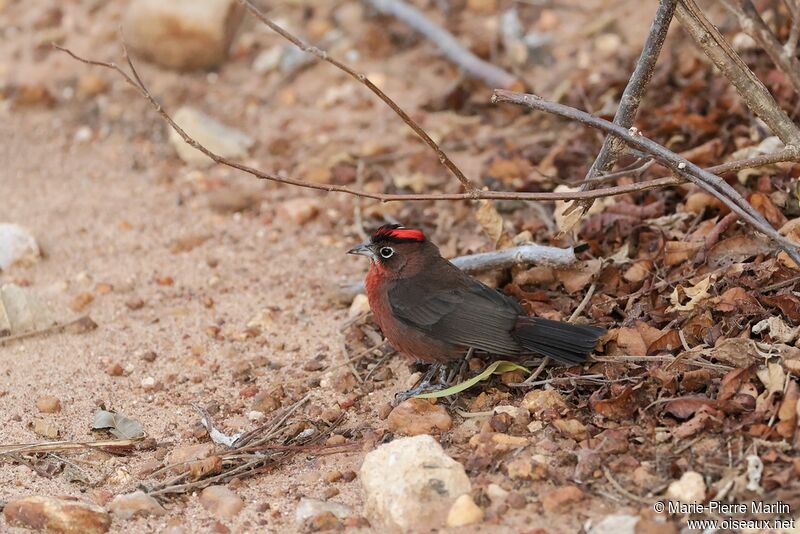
(728,508)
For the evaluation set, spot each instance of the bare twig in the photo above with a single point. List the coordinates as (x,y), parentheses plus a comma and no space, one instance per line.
(60,446)
(682,167)
(321,54)
(749,87)
(490,74)
(84,323)
(754,26)
(788,154)
(631,98)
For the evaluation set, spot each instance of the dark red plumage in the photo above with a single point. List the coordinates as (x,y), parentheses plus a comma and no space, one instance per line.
(432,311)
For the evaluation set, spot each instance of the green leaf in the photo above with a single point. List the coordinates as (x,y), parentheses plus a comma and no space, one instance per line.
(496,368)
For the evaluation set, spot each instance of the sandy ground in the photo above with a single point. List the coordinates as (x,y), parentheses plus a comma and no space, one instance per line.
(107,210)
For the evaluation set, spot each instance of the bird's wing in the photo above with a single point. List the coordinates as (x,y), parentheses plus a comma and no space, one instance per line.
(466,312)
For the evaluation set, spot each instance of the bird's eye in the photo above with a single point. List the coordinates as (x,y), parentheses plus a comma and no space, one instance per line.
(386,252)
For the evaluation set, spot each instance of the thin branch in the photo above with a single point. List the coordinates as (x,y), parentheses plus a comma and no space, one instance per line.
(492,75)
(790,47)
(754,26)
(682,167)
(136,82)
(750,88)
(631,98)
(61,446)
(321,54)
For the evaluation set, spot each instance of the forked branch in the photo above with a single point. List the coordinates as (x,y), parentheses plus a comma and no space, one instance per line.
(710,183)
(631,98)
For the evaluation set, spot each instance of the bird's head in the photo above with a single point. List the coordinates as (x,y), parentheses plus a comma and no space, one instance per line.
(393,247)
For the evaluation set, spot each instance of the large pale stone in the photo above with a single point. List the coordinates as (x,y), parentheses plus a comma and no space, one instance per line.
(209,132)
(182,34)
(52,514)
(17,246)
(410,484)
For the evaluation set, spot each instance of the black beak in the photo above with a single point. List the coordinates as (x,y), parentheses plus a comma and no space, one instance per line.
(363,250)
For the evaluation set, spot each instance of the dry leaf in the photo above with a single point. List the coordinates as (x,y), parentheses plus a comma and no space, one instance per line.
(619,408)
(695,295)
(491,222)
(676,252)
(579,275)
(787,413)
(21,311)
(120,426)
(630,341)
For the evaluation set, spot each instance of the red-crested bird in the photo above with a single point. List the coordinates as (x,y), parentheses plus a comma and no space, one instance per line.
(433,312)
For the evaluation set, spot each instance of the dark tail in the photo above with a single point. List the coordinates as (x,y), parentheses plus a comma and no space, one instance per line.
(565,342)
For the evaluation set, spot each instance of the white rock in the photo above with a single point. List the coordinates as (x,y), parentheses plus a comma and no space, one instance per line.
(17,246)
(616,524)
(182,34)
(133,504)
(309,508)
(410,484)
(496,494)
(689,489)
(268,60)
(22,311)
(212,134)
(360,305)
(464,512)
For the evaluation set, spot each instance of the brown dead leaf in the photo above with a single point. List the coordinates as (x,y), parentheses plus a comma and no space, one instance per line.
(686,298)
(705,418)
(668,342)
(732,382)
(618,408)
(492,223)
(685,407)
(579,275)
(638,271)
(770,211)
(787,413)
(787,303)
(699,201)
(207,466)
(696,380)
(677,252)
(630,341)
(187,243)
(737,299)
(736,351)
(736,249)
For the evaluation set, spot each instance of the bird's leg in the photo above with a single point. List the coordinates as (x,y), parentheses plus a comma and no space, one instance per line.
(457,373)
(425,385)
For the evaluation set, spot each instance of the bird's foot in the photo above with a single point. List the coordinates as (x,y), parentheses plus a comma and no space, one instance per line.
(426,385)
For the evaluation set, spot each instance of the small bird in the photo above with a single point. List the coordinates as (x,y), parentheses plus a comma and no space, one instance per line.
(433,312)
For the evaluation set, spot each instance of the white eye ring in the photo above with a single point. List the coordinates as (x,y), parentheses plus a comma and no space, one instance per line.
(386,252)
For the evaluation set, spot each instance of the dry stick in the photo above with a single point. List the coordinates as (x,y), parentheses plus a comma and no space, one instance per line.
(136,82)
(631,98)
(790,48)
(754,26)
(321,54)
(492,75)
(750,88)
(785,155)
(711,183)
(51,446)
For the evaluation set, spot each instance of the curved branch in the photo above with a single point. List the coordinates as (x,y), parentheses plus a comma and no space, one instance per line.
(680,166)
